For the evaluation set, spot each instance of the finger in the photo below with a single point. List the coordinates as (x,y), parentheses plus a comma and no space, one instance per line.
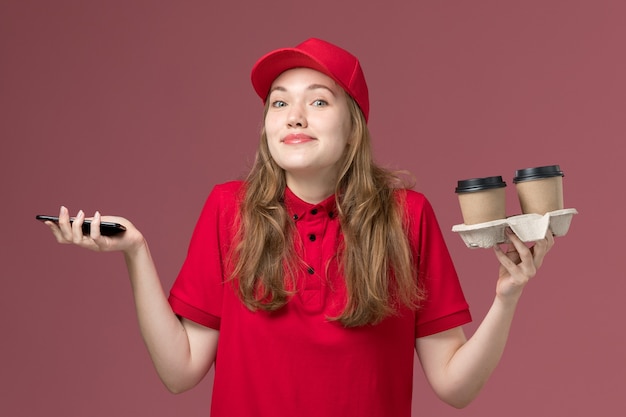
(510,251)
(541,248)
(56,231)
(64,224)
(523,251)
(77,227)
(525,267)
(98,241)
(95,226)
(505,258)
(513,255)
(550,239)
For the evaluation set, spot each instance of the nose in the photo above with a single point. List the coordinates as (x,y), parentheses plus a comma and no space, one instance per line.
(296,117)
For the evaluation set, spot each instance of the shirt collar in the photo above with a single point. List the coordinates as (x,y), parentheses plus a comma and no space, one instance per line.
(299,209)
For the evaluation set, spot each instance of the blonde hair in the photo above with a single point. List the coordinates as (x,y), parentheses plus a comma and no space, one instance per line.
(376,258)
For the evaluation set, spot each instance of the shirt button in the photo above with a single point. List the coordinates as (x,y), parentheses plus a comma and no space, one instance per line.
(311,270)
(314,211)
(312,237)
(295,217)
(331,214)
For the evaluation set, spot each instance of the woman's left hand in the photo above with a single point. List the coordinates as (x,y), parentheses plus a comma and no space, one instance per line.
(519,263)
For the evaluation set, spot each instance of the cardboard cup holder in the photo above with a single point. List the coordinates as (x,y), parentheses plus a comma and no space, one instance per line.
(528,227)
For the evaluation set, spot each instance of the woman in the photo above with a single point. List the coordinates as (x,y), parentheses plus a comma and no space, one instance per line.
(310,284)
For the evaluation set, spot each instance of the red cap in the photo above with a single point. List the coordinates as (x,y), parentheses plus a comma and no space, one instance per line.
(322,56)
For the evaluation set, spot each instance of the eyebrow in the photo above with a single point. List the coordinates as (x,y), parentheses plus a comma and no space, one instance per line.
(309,88)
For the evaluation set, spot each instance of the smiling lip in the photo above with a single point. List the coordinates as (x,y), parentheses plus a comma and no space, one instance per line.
(296,138)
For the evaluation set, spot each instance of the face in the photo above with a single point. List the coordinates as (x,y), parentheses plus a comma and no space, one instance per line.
(307,125)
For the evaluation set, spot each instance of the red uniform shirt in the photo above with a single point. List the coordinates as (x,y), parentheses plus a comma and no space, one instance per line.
(295,362)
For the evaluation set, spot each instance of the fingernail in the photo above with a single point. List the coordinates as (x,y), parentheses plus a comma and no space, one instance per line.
(80,213)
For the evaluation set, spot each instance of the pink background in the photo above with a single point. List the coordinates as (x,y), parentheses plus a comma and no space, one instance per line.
(139,108)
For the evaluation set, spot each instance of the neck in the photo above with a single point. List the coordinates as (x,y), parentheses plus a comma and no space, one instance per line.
(312,189)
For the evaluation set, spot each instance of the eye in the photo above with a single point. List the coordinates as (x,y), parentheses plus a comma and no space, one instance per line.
(320,103)
(278,103)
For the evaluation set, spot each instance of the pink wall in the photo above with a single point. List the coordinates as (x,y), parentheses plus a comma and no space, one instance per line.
(137,109)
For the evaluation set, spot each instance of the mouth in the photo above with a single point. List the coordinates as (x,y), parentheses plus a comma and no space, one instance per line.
(296,138)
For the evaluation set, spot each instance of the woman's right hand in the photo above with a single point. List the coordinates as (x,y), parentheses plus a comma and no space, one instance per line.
(181,350)
(71,233)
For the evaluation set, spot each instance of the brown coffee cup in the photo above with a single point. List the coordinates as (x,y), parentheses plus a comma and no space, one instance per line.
(539,189)
(482,199)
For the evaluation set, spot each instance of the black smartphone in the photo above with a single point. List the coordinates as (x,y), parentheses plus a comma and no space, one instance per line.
(106,228)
